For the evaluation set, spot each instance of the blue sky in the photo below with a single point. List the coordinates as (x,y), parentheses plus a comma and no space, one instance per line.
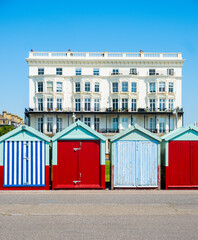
(124,26)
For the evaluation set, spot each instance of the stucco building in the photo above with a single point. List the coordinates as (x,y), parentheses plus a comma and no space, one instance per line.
(107,91)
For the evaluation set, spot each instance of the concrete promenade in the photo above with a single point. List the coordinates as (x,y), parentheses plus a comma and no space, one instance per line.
(119,214)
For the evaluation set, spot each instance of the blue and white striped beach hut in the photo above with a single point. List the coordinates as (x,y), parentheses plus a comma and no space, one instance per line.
(24,159)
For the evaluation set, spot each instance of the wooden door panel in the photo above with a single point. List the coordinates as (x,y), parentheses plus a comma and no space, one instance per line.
(67,163)
(179,163)
(89,163)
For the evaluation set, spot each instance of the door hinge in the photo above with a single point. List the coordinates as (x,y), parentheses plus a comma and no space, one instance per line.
(76,182)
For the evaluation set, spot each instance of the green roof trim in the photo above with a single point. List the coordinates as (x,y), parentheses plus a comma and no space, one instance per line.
(133,128)
(24,128)
(78,124)
(179,131)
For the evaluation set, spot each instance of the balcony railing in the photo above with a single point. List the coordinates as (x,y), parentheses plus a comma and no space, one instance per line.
(104,55)
(108,110)
(160,131)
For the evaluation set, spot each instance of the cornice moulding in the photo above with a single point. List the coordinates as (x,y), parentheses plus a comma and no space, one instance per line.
(105,63)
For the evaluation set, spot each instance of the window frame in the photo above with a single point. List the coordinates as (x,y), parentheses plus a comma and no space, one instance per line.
(59,71)
(125,104)
(162,104)
(40,104)
(134,88)
(170,102)
(59,124)
(40,87)
(78,71)
(40,124)
(152,72)
(115,71)
(125,86)
(59,104)
(115,104)
(134,104)
(162,125)
(59,88)
(97,87)
(152,124)
(114,88)
(87,104)
(133,71)
(171,88)
(115,124)
(97,124)
(50,87)
(49,104)
(151,89)
(41,71)
(97,104)
(162,88)
(87,121)
(77,104)
(152,104)
(50,124)
(170,71)
(77,88)
(87,87)
(96,71)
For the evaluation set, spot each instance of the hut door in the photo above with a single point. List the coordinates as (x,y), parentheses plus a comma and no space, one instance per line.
(125,155)
(135,164)
(183,164)
(24,163)
(146,164)
(89,164)
(78,164)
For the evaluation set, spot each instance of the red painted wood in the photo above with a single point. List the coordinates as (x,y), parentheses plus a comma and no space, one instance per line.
(46,187)
(81,165)
(182,172)
(179,163)
(67,163)
(89,163)
(194,162)
(1,177)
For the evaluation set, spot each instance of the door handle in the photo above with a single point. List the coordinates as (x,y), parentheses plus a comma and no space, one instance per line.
(80,175)
(75,149)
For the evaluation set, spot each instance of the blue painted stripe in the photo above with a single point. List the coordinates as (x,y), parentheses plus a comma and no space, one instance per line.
(22,162)
(17,160)
(4,163)
(26,163)
(8,161)
(13,163)
(41,147)
(36,160)
(31,163)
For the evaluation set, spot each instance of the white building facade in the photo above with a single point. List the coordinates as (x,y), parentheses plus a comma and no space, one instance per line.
(107,91)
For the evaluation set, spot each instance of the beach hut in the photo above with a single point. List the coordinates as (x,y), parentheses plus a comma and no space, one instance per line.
(24,160)
(180,158)
(135,159)
(78,158)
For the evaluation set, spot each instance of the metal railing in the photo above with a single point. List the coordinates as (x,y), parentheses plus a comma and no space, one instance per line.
(108,110)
